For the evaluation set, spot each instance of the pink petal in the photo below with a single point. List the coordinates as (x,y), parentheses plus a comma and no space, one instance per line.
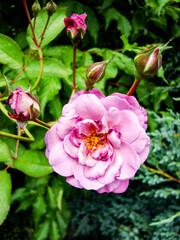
(97,93)
(70,148)
(84,157)
(60,161)
(114,138)
(74,182)
(87,126)
(140,142)
(130,162)
(96,171)
(115,101)
(88,184)
(144,154)
(113,170)
(65,125)
(123,185)
(51,137)
(89,107)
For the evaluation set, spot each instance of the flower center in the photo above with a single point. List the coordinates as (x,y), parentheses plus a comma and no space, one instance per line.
(95,140)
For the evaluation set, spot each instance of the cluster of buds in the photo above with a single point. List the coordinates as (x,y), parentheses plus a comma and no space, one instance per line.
(25,106)
(76,27)
(50,8)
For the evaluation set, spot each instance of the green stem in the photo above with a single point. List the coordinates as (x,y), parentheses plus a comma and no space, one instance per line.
(10,135)
(133,87)
(40,70)
(3,99)
(74,68)
(42,123)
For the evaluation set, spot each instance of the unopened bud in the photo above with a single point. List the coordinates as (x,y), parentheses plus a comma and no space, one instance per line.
(36,8)
(51,8)
(95,73)
(148,61)
(25,107)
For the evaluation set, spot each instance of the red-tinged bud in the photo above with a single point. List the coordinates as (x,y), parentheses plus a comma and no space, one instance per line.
(76,27)
(36,8)
(25,107)
(95,73)
(148,62)
(51,8)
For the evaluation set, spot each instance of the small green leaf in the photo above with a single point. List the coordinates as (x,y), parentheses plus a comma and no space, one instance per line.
(55,107)
(51,198)
(54,27)
(39,208)
(42,231)
(10,53)
(54,231)
(4,151)
(33,163)
(5,194)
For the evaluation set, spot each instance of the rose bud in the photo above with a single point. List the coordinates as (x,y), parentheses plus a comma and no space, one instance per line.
(24,106)
(36,8)
(51,8)
(95,73)
(76,27)
(148,61)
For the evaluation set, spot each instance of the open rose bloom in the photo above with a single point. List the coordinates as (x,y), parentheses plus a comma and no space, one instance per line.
(99,142)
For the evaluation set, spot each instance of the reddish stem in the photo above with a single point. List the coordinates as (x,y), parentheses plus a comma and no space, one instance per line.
(74,68)
(42,35)
(29,19)
(133,87)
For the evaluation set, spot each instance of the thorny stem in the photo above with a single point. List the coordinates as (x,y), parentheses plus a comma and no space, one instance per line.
(133,87)
(42,35)
(42,123)
(74,68)
(162,173)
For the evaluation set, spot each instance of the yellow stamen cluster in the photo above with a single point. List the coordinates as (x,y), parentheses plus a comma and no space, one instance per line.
(95,140)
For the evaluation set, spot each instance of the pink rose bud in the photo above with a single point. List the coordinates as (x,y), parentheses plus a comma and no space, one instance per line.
(24,106)
(148,62)
(76,27)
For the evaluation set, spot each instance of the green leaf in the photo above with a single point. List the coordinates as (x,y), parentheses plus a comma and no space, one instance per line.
(50,67)
(54,27)
(55,107)
(4,151)
(49,89)
(51,198)
(124,63)
(162,3)
(5,194)
(10,53)
(39,208)
(123,24)
(54,231)
(33,163)
(42,231)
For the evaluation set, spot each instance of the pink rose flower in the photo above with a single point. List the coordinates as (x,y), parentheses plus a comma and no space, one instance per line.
(24,106)
(76,27)
(99,142)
